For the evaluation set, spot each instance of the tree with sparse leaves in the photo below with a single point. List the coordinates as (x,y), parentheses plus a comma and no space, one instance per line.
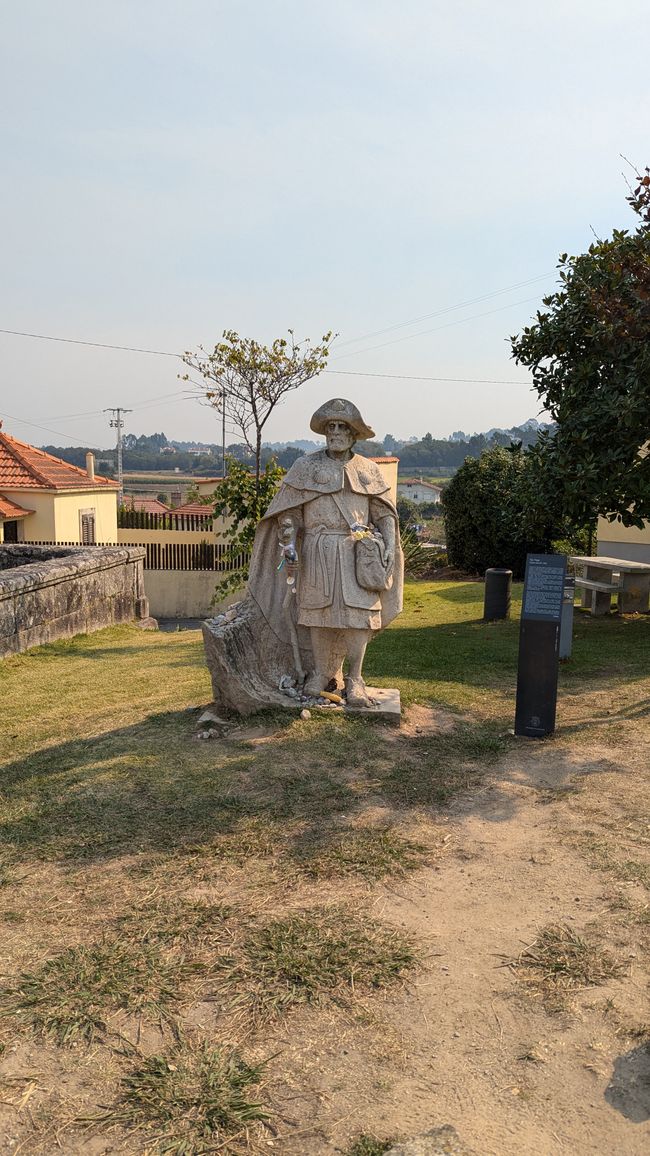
(249,380)
(244,499)
(589,352)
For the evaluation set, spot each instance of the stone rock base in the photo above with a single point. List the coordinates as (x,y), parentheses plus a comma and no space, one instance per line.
(246,660)
(252,669)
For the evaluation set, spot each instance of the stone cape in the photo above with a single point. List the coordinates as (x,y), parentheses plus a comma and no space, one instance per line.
(320,474)
(309,477)
(248,655)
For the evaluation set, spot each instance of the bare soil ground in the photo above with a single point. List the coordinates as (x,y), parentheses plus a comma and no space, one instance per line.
(519,1059)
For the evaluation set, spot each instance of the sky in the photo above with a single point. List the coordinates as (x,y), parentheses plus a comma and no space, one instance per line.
(405,174)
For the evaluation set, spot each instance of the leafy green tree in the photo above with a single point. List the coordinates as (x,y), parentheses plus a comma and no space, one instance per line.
(248,380)
(284,458)
(407,512)
(490,518)
(589,352)
(244,498)
(369,449)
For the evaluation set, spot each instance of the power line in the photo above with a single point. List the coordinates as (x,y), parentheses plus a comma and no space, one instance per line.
(447,309)
(146,404)
(57,433)
(414,377)
(95,344)
(436,328)
(348,341)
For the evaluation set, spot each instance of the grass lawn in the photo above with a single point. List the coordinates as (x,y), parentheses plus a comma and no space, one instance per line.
(170,905)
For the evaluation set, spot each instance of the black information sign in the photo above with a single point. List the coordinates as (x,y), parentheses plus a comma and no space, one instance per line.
(539,645)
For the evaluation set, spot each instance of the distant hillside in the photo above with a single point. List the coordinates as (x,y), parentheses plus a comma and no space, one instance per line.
(155,452)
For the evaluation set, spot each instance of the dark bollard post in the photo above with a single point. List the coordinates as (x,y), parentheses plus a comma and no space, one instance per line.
(498,590)
(566,622)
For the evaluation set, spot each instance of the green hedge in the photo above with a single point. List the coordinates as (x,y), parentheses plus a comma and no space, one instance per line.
(490,515)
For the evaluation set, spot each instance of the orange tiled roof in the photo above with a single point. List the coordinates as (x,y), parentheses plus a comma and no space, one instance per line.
(384,459)
(23,467)
(194,508)
(147,505)
(9,509)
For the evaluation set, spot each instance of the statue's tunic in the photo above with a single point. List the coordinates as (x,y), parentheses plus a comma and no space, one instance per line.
(328,591)
(324,497)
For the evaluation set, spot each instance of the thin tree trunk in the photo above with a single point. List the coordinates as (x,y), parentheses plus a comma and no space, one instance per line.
(258,459)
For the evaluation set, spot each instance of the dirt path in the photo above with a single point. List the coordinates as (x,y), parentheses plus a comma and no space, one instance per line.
(557,835)
(470,1045)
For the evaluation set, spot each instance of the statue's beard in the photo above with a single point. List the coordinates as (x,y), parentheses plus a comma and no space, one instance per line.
(339,445)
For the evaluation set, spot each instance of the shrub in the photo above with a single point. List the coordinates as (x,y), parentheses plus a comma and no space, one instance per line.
(490,518)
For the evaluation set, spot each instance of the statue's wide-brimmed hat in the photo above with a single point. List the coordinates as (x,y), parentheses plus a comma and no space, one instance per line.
(338,409)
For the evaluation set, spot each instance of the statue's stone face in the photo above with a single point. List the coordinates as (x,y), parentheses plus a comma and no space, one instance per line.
(339,436)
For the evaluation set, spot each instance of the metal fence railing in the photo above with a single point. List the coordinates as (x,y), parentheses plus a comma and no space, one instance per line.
(173,555)
(141,520)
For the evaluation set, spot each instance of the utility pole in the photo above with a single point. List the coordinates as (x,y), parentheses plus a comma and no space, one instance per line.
(117,423)
(223,433)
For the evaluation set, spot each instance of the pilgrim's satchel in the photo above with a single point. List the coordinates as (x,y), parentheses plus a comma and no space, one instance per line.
(370,565)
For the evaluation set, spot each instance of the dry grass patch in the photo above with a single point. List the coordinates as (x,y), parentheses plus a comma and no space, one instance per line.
(192,1100)
(174,920)
(372,852)
(559,961)
(75,994)
(319,955)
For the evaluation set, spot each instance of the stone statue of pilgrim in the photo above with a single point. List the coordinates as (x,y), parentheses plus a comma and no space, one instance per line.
(326,503)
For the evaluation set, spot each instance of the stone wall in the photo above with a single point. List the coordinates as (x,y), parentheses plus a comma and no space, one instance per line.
(50,592)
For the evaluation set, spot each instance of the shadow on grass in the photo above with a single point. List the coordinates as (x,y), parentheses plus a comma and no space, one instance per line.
(299,797)
(609,718)
(152,788)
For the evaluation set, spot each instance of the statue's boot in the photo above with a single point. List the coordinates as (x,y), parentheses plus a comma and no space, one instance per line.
(356,694)
(337,682)
(315,685)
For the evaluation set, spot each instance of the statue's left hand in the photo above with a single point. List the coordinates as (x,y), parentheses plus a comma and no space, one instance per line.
(387,531)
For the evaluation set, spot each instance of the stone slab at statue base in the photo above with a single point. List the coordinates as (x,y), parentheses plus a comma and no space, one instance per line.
(387,708)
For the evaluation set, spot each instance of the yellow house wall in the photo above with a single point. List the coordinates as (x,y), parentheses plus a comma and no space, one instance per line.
(67,508)
(389,470)
(39,526)
(56,515)
(625,542)
(205,488)
(617,532)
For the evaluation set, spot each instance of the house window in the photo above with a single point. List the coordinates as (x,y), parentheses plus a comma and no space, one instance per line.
(87,527)
(11,531)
